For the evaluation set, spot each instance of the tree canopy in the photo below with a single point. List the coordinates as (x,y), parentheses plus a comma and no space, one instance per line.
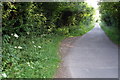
(110,13)
(43,17)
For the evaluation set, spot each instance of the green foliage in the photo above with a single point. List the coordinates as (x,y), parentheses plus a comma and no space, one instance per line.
(31,57)
(110,13)
(12,13)
(112,33)
(40,18)
(110,19)
(32,32)
(34,56)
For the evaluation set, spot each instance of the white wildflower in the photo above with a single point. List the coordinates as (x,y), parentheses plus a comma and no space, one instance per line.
(15,47)
(28,33)
(19,47)
(12,34)
(16,35)
(28,63)
(4,75)
(31,67)
(39,47)
(34,46)
(33,42)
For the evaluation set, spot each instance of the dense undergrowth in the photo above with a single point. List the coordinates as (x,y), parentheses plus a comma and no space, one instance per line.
(34,56)
(32,33)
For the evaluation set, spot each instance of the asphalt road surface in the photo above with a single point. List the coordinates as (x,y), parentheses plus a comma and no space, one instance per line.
(93,55)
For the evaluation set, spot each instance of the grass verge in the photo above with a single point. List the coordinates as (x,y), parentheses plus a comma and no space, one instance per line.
(35,56)
(112,33)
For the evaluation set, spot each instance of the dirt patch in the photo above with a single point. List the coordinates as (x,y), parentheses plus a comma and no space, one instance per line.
(62,71)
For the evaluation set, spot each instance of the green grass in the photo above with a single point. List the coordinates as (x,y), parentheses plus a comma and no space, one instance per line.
(82,29)
(35,56)
(38,57)
(112,33)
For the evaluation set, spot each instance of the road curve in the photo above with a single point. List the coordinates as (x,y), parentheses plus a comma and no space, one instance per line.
(93,55)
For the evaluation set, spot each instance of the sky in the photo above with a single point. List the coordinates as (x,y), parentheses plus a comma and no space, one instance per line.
(93,3)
